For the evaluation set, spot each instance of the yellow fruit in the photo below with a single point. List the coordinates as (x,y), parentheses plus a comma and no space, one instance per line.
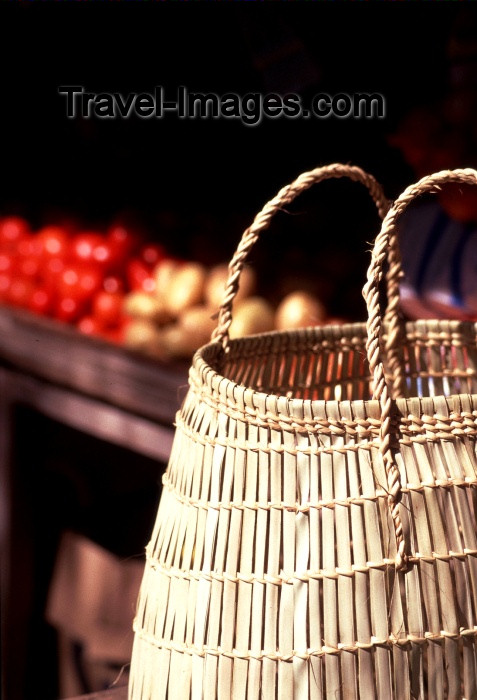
(251,315)
(299,310)
(146,306)
(163,274)
(186,287)
(177,342)
(198,324)
(192,329)
(143,335)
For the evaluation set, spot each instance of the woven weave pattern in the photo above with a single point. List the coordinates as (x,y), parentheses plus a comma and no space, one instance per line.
(271,566)
(315,537)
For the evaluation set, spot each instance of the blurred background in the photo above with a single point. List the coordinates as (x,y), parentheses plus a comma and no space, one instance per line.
(194,186)
(198,183)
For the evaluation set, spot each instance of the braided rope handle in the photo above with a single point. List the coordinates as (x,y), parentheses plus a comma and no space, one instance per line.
(262,222)
(384,243)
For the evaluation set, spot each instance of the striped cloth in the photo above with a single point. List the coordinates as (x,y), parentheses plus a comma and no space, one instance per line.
(439,259)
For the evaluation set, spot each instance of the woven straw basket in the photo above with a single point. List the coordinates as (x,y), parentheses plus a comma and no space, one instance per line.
(316,534)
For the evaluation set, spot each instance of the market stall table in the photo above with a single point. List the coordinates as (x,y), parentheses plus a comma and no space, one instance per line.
(116,397)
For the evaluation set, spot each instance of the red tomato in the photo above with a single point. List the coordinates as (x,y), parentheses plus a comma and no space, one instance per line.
(12,230)
(51,271)
(42,301)
(112,283)
(5,283)
(117,333)
(83,245)
(106,257)
(90,280)
(68,309)
(89,325)
(54,242)
(152,254)
(107,307)
(113,335)
(30,246)
(79,282)
(123,241)
(139,276)
(8,262)
(68,281)
(20,292)
(29,267)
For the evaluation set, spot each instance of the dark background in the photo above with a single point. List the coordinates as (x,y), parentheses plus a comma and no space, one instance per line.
(196,184)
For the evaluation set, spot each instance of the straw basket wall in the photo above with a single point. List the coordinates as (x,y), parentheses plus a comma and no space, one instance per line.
(316,535)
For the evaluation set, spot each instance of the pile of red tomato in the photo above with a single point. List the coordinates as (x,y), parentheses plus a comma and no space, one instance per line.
(80,278)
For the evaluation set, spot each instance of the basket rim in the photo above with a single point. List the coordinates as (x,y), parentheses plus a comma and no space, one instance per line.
(270,408)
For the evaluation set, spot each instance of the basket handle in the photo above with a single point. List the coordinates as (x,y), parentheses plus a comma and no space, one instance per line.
(385,246)
(262,222)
